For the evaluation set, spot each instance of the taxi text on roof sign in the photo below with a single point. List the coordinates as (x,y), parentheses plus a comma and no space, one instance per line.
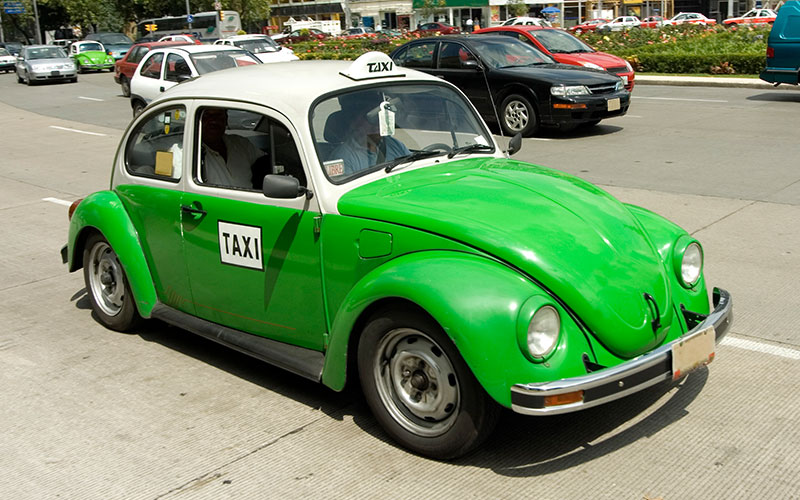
(372,65)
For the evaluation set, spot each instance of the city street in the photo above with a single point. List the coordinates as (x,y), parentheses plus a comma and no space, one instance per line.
(162,414)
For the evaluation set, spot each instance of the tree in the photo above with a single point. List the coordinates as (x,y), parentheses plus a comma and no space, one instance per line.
(516,8)
(430,7)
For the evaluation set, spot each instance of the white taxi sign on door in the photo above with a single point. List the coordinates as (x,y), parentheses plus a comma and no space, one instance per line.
(372,65)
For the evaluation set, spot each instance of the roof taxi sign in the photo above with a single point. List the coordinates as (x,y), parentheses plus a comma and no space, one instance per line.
(372,65)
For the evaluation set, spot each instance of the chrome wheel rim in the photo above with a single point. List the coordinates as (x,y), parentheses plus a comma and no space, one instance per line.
(106,279)
(416,382)
(517,115)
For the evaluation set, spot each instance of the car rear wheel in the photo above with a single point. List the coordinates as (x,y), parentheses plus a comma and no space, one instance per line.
(138,107)
(419,388)
(107,285)
(126,86)
(518,116)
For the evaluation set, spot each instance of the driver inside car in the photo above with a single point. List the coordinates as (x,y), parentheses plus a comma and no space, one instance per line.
(363,145)
(226,158)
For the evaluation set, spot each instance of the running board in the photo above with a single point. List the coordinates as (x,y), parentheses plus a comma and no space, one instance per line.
(298,360)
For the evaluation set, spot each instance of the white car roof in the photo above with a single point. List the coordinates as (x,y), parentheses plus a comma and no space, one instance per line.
(246,37)
(196,49)
(290,87)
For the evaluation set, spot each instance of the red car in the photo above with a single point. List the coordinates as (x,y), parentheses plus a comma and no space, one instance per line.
(652,22)
(567,49)
(433,28)
(126,67)
(690,18)
(301,35)
(585,26)
(753,17)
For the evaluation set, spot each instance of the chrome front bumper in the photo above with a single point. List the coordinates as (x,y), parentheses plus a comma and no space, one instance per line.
(618,381)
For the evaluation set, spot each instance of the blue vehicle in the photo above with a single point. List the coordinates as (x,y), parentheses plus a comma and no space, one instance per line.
(783,46)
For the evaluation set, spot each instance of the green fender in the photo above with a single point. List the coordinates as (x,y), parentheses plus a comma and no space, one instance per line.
(104,212)
(481,305)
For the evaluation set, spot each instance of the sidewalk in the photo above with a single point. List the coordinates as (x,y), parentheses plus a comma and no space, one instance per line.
(710,81)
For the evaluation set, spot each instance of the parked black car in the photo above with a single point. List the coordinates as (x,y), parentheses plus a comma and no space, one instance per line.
(528,88)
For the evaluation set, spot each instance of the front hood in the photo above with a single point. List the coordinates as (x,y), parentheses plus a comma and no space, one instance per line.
(599,58)
(96,57)
(569,235)
(560,73)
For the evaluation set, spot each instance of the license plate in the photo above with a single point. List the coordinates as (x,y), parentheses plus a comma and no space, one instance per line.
(693,352)
(55,73)
(613,104)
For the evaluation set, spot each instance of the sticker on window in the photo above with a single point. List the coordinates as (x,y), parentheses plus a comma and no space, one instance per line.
(386,119)
(334,167)
(240,245)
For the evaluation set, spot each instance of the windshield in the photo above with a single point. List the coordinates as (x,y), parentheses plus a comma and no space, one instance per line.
(4,52)
(208,62)
(258,46)
(505,52)
(392,125)
(86,47)
(113,39)
(560,42)
(45,53)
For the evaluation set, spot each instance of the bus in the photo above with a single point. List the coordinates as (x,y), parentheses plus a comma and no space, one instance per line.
(206,26)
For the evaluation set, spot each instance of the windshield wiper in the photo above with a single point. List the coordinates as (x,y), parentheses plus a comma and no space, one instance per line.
(469,148)
(416,155)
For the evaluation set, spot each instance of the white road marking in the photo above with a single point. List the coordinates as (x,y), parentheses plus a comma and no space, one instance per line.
(760,347)
(632,116)
(678,99)
(57,201)
(90,98)
(78,131)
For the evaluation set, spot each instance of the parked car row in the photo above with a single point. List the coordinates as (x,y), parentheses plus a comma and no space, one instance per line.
(752,17)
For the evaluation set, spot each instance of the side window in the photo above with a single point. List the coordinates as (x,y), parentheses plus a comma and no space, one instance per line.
(138,54)
(400,57)
(451,55)
(420,55)
(238,148)
(155,147)
(177,68)
(151,68)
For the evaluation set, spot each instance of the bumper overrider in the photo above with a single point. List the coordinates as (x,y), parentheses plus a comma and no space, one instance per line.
(595,388)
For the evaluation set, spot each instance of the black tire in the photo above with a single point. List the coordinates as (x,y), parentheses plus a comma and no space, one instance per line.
(28,80)
(19,79)
(419,388)
(126,86)
(518,116)
(74,79)
(107,286)
(138,107)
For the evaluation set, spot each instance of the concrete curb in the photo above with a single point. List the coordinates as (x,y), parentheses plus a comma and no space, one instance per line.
(700,81)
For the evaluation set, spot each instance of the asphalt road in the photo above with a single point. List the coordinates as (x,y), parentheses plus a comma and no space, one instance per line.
(92,414)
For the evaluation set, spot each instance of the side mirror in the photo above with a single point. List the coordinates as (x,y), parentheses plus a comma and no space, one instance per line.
(284,186)
(514,145)
(183,77)
(470,64)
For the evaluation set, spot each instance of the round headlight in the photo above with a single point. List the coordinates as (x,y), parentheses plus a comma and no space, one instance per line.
(691,264)
(543,332)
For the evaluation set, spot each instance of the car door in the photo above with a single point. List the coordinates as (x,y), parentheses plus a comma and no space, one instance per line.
(150,185)
(458,65)
(147,82)
(254,262)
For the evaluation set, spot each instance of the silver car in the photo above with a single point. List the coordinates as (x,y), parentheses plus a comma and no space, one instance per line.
(44,63)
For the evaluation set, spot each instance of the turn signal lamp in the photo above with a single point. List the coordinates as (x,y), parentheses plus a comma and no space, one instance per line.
(563,399)
(73,207)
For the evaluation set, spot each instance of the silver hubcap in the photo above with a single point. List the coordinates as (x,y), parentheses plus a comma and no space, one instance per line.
(416,382)
(516,115)
(106,279)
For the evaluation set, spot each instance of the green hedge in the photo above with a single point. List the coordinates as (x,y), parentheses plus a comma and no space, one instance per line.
(671,49)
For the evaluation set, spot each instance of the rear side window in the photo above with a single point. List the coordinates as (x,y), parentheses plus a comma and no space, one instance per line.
(420,56)
(791,29)
(155,147)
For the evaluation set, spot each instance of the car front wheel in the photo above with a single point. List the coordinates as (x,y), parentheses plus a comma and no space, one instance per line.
(517,116)
(107,285)
(419,388)
(138,107)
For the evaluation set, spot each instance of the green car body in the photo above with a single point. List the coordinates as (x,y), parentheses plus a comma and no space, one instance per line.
(477,244)
(91,56)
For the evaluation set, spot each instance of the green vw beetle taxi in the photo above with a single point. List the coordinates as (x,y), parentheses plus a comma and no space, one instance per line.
(358,222)
(91,55)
